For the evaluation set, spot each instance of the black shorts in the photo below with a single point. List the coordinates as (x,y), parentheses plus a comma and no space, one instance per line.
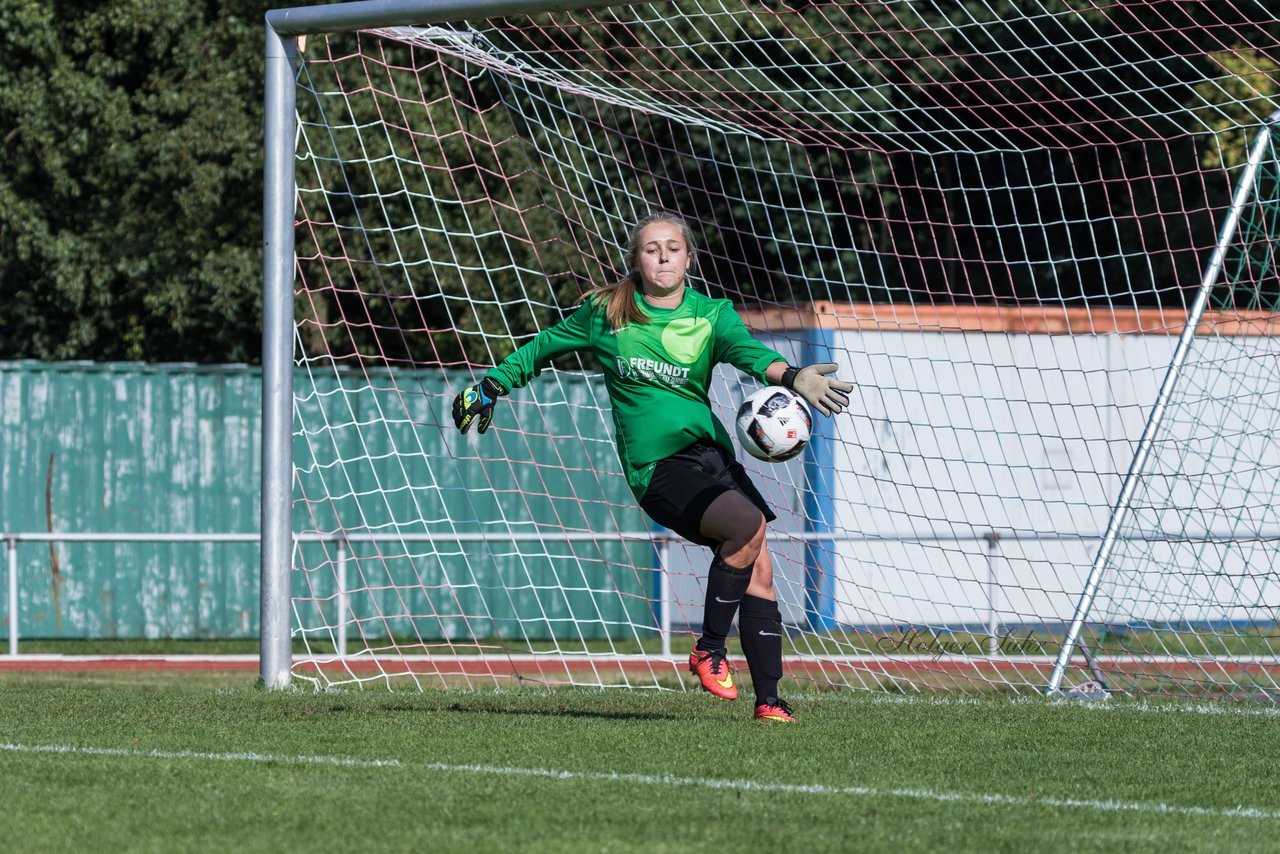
(685,483)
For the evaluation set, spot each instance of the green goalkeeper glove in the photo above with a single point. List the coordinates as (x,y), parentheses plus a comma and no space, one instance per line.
(475,403)
(828,395)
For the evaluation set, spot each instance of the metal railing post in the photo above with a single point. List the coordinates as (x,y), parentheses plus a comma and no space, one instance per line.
(342,598)
(993,594)
(11,546)
(664,597)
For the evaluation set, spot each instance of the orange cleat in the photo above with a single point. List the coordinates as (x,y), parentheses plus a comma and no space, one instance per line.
(712,670)
(773,710)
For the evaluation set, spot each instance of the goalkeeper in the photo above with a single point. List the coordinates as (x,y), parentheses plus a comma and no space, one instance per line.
(658,340)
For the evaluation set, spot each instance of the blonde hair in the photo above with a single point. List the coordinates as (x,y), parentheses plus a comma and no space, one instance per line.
(619,298)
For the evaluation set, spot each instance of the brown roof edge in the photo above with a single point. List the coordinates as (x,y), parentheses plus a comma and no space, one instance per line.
(1019,320)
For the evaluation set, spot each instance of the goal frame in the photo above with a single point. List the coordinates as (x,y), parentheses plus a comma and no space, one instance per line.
(279,191)
(283,31)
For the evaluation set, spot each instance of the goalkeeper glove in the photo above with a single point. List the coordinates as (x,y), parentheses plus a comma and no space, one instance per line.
(475,404)
(829,395)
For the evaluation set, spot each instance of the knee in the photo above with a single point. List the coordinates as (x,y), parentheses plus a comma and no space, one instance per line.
(742,549)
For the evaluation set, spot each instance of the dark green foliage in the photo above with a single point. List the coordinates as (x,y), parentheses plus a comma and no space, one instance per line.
(130,180)
(130,168)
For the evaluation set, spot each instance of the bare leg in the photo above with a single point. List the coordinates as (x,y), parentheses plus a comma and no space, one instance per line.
(738,525)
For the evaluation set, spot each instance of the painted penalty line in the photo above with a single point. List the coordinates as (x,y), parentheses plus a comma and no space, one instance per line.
(661,780)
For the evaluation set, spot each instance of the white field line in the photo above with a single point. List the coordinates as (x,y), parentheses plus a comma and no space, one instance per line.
(666,780)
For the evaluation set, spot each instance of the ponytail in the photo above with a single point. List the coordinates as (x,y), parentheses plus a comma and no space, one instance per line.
(619,299)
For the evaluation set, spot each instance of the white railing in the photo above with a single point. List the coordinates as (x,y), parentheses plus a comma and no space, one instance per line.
(11,540)
(662,542)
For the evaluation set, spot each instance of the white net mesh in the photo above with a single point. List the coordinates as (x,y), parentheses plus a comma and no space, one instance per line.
(994,220)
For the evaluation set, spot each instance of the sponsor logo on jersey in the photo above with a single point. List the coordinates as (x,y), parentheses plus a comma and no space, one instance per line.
(638,367)
(684,341)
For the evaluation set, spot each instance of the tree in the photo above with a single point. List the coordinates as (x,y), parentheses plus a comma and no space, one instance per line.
(130,176)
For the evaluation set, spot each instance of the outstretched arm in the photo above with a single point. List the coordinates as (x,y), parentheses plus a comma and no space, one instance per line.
(474,404)
(735,345)
(828,394)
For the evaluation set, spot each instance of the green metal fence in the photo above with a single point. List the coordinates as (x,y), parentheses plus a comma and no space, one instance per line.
(175,449)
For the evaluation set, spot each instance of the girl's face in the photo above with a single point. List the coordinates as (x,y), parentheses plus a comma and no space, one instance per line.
(663,256)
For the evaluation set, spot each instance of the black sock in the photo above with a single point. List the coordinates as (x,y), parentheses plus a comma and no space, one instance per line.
(760,630)
(725,588)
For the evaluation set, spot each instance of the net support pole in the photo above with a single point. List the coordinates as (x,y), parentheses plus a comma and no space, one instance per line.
(1123,504)
(274,641)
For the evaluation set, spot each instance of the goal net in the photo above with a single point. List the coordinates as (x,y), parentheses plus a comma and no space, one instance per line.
(994,217)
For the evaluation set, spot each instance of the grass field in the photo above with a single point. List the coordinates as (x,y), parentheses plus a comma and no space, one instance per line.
(205,761)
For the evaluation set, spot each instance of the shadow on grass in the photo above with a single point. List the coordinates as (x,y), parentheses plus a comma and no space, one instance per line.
(558,711)
(571,712)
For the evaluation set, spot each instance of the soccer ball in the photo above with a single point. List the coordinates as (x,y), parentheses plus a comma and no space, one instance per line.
(774,424)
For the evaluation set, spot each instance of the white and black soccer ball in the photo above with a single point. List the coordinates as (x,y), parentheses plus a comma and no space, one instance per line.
(774,424)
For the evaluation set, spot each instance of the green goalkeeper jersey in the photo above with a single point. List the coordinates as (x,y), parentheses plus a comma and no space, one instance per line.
(657,373)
